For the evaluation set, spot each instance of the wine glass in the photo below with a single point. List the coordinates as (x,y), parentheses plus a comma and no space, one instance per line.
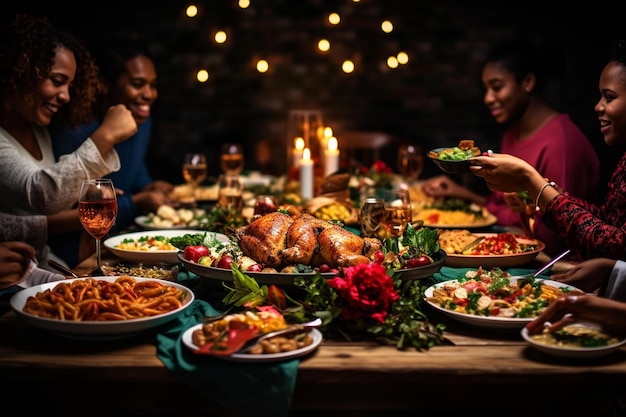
(231,158)
(397,214)
(194,170)
(410,162)
(97,211)
(230,194)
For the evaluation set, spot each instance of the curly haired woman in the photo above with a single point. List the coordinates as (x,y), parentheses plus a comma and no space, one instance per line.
(41,68)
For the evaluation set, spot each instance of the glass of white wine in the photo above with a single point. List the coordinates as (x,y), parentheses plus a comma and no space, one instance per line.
(397,214)
(410,162)
(194,170)
(231,158)
(230,194)
(97,211)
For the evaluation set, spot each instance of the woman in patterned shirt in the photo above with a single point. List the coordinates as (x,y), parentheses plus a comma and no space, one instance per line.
(592,230)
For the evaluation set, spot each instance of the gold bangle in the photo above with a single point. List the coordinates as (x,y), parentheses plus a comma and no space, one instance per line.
(543,187)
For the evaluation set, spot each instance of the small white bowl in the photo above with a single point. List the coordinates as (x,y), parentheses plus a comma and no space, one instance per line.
(573,352)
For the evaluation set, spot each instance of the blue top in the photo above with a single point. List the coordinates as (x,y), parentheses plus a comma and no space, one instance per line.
(132,178)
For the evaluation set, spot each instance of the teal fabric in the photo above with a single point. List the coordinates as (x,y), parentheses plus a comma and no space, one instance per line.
(236,389)
(446,273)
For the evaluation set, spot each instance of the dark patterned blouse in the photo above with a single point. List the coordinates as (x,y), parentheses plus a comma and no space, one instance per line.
(593,231)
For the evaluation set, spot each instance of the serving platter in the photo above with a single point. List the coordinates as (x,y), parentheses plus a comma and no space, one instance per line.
(492,261)
(488,220)
(96,330)
(263,278)
(146,223)
(489,322)
(153,256)
(572,352)
(279,278)
(187,340)
(425,271)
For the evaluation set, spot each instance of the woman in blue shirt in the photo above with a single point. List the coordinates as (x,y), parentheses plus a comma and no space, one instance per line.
(130,77)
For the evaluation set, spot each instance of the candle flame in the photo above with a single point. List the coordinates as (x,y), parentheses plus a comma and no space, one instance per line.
(299,143)
(328,132)
(332,144)
(306,154)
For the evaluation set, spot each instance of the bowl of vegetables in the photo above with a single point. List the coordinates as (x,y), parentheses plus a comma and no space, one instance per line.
(455,160)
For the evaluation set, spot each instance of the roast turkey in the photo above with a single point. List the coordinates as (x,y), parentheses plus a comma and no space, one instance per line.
(277,240)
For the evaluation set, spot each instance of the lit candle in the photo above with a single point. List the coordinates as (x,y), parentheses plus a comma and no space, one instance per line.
(331,157)
(296,154)
(306,174)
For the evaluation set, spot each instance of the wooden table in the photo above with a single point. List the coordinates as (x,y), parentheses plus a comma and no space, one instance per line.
(480,370)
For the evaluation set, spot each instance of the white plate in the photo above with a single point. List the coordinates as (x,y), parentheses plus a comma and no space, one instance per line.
(489,220)
(492,261)
(152,257)
(256,178)
(573,352)
(96,329)
(249,357)
(144,223)
(487,322)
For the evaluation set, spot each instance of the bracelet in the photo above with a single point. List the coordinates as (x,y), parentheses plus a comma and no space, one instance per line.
(543,187)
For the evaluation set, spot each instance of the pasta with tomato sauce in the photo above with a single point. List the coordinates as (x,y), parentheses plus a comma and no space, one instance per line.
(91,299)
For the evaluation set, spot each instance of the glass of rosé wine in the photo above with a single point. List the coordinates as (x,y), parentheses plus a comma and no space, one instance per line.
(97,211)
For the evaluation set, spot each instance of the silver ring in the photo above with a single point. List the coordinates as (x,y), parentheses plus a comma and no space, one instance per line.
(489,152)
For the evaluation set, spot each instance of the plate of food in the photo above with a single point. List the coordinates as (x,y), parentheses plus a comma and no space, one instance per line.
(575,341)
(473,250)
(154,302)
(453,213)
(150,247)
(167,217)
(304,345)
(455,159)
(492,299)
(163,271)
(263,278)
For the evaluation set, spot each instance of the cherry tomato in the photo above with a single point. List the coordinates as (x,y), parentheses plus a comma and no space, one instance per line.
(419,261)
(225,262)
(379,256)
(194,253)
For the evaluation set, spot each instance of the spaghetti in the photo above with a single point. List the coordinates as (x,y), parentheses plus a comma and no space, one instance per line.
(91,299)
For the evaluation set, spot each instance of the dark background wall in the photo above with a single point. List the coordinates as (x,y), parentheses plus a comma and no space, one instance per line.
(435,99)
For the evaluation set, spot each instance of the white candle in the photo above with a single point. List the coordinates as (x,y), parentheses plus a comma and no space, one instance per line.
(306,175)
(296,153)
(331,157)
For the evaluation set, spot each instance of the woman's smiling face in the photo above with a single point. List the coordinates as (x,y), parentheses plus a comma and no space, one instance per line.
(52,93)
(611,108)
(504,95)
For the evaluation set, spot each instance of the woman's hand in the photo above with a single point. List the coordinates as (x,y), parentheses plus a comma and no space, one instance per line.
(15,258)
(588,275)
(504,172)
(609,314)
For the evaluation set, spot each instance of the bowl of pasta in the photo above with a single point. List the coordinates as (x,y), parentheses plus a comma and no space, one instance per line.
(107,307)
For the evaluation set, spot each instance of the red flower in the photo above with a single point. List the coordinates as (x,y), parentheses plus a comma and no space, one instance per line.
(367,292)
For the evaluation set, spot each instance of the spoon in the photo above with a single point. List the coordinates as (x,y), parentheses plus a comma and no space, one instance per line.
(292,328)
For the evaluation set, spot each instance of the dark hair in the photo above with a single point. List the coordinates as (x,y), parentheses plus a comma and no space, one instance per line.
(522,56)
(27,54)
(618,53)
(112,54)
